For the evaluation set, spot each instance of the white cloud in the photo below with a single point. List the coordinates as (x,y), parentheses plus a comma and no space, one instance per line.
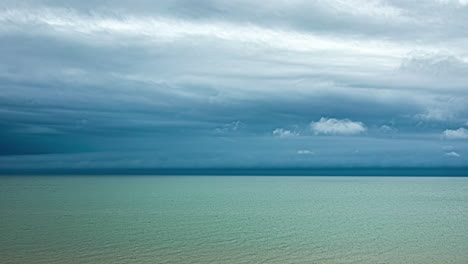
(305,152)
(460,133)
(374,9)
(280,132)
(233,126)
(448,148)
(452,154)
(434,65)
(388,129)
(167,29)
(459,2)
(332,126)
(436,114)
(443,108)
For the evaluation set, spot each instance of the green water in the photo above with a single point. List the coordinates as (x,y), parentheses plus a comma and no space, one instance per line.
(233,220)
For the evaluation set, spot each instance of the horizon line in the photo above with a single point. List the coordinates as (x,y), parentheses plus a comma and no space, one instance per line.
(245,171)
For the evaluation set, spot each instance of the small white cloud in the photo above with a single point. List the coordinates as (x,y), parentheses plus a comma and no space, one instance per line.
(460,133)
(332,126)
(448,148)
(280,132)
(305,152)
(388,129)
(233,126)
(452,154)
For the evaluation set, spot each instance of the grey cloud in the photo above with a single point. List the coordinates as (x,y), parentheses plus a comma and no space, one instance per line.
(109,76)
(435,66)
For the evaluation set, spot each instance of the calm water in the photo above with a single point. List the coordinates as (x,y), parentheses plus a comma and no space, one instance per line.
(233,220)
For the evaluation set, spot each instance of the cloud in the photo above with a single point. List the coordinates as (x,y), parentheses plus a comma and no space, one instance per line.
(388,129)
(371,8)
(434,65)
(460,133)
(280,132)
(332,126)
(448,148)
(452,154)
(162,29)
(230,127)
(176,77)
(444,108)
(459,2)
(305,152)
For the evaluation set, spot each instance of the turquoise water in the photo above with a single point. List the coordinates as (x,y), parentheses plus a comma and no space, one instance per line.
(192,219)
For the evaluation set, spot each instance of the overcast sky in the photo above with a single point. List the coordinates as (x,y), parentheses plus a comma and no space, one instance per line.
(233,83)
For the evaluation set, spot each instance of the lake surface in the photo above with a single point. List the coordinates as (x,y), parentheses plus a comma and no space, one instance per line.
(220,219)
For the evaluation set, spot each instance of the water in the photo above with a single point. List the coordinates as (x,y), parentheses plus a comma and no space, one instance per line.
(233,220)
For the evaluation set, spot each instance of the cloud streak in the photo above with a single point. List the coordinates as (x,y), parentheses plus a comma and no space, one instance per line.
(305,152)
(452,154)
(99,28)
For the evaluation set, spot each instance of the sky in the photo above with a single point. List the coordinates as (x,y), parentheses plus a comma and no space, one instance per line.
(233,83)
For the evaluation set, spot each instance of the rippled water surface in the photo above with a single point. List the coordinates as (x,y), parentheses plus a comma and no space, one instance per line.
(192,219)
